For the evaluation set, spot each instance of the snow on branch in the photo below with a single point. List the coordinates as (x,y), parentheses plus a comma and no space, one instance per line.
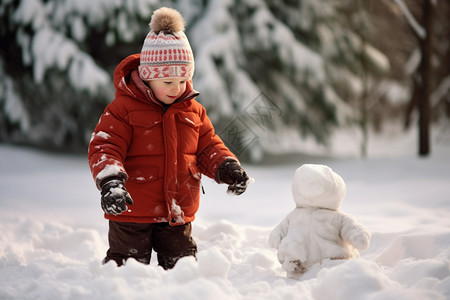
(418,29)
(440,92)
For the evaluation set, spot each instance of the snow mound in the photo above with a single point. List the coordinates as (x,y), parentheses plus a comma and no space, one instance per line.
(57,261)
(54,236)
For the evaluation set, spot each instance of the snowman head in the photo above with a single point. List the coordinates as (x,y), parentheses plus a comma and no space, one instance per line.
(317,186)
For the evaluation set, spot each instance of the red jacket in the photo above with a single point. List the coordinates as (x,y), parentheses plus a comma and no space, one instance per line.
(161,154)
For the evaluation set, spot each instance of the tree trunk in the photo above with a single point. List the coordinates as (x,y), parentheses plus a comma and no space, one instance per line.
(425,70)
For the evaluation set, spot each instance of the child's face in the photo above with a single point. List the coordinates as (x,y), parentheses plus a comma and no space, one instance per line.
(167,90)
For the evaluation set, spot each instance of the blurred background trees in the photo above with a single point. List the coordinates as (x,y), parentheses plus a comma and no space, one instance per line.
(275,76)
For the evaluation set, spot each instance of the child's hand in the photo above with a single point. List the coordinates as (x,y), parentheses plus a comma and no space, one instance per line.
(114,197)
(231,173)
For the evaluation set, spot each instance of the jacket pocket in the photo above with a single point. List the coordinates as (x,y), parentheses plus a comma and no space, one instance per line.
(195,172)
(147,134)
(190,118)
(188,128)
(142,173)
(144,118)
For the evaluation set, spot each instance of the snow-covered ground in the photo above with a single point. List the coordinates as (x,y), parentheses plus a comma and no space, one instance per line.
(53,235)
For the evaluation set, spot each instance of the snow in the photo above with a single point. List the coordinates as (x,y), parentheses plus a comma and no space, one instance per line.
(316,229)
(177,211)
(50,47)
(31,12)
(79,31)
(440,92)
(13,107)
(103,135)
(378,58)
(418,29)
(108,171)
(413,62)
(230,44)
(54,235)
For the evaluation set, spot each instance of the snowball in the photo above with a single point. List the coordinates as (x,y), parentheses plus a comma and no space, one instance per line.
(317,185)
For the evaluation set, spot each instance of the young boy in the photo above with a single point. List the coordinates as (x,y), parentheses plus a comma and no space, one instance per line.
(150,147)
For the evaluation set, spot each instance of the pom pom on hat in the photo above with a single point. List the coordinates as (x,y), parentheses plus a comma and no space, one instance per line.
(166,52)
(167,20)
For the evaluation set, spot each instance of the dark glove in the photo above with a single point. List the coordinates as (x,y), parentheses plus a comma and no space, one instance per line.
(231,173)
(115,197)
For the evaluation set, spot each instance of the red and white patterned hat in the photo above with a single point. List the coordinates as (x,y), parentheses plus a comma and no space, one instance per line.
(166,52)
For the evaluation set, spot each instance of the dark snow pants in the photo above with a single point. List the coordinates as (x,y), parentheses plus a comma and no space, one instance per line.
(135,240)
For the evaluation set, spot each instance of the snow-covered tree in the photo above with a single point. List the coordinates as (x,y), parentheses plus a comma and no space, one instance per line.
(425,74)
(301,57)
(414,35)
(274,76)
(56,65)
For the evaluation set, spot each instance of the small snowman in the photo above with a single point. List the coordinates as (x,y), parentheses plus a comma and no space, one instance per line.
(316,229)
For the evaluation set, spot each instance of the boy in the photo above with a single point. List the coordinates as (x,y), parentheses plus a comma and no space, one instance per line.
(150,147)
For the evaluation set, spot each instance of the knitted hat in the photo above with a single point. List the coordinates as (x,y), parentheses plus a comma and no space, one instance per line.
(166,52)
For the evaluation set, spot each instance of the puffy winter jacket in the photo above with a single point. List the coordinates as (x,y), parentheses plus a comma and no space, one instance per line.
(160,153)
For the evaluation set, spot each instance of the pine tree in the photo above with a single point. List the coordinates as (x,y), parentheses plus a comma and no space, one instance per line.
(271,74)
(57,66)
(303,57)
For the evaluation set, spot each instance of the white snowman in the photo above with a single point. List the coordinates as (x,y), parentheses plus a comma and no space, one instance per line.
(316,229)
